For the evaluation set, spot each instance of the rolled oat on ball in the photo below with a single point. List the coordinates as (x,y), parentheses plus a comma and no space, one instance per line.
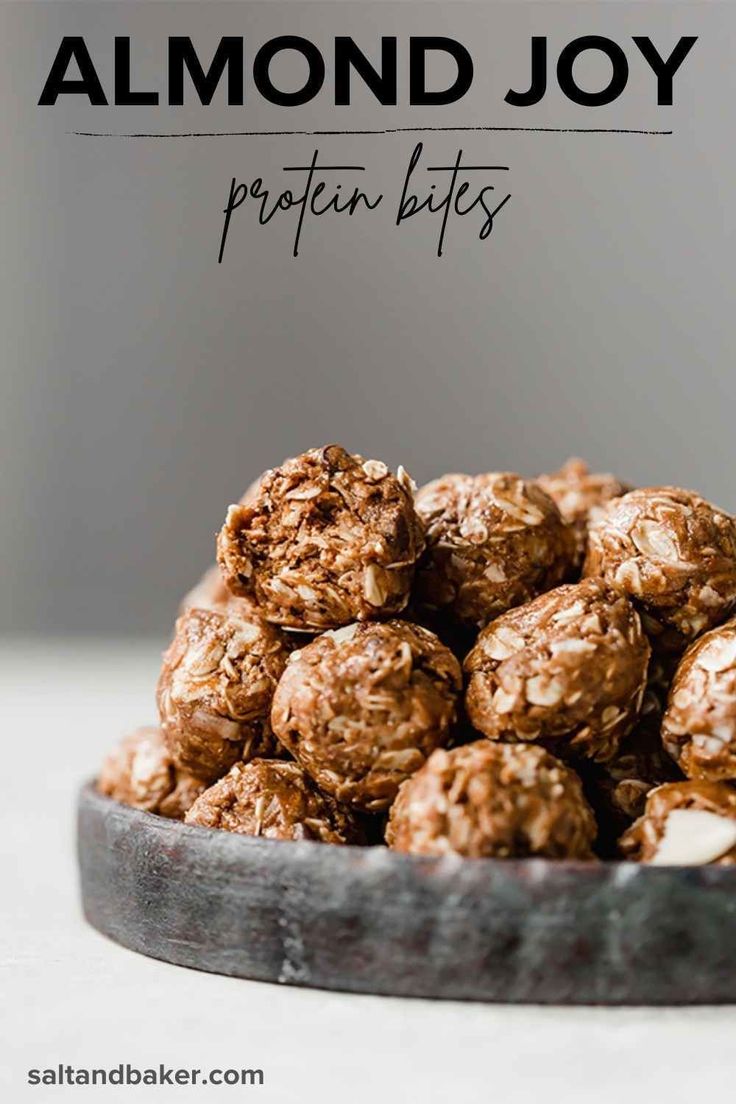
(361,708)
(141,772)
(275,800)
(567,670)
(486,800)
(674,554)
(685,824)
(327,539)
(579,494)
(493,542)
(699,725)
(215,689)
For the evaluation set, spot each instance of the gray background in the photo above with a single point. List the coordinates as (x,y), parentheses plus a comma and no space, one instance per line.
(142,386)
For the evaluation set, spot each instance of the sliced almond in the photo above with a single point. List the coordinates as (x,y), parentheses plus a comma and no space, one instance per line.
(628,576)
(405,479)
(373,585)
(519,511)
(344,634)
(654,542)
(694,837)
(375,469)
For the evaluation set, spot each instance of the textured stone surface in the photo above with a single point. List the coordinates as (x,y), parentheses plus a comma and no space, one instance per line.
(368,920)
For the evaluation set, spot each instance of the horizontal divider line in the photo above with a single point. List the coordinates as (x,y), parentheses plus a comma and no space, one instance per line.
(340,133)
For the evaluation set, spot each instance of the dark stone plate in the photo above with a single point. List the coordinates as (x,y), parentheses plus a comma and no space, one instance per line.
(371,921)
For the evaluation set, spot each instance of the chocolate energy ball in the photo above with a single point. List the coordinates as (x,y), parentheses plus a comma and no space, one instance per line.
(568,670)
(141,772)
(361,708)
(488,800)
(276,800)
(685,823)
(699,727)
(328,539)
(493,542)
(215,689)
(674,554)
(579,494)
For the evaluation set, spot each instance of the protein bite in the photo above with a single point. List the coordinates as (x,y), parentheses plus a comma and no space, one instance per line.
(674,554)
(493,541)
(276,800)
(685,823)
(141,772)
(579,495)
(215,689)
(487,800)
(327,539)
(699,726)
(567,670)
(361,708)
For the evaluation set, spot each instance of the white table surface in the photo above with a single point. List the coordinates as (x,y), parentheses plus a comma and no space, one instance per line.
(70,996)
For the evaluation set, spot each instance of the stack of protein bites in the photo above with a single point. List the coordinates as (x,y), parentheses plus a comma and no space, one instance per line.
(370,662)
